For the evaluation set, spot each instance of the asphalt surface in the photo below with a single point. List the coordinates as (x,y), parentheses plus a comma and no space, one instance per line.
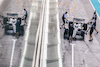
(87,54)
(6,42)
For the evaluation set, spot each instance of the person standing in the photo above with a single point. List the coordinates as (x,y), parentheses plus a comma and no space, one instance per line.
(95,15)
(14,21)
(22,27)
(25,15)
(94,23)
(64,18)
(76,26)
(70,31)
(17,28)
(91,31)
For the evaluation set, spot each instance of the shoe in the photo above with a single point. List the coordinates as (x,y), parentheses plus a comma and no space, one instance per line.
(97,33)
(74,38)
(69,41)
(60,28)
(90,39)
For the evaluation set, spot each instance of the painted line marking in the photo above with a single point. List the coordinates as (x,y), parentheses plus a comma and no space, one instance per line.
(86,65)
(0,45)
(58,3)
(73,7)
(66,4)
(12,54)
(19,3)
(86,51)
(1,1)
(59,42)
(72,54)
(26,40)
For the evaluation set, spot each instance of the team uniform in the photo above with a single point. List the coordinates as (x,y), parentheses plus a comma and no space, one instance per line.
(75,30)
(22,27)
(91,29)
(14,21)
(63,18)
(95,16)
(94,23)
(18,26)
(70,29)
(25,15)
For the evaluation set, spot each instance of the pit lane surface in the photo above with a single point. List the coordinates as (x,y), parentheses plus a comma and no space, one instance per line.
(6,42)
(87,54)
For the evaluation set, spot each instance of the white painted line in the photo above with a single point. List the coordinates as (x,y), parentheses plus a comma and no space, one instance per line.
(59,41)
(0,45)
(44,63)
(94,9)
(12,54)
(26,39)
(86,65)
(95,40)
(72,54)
(1,1)
(86,51)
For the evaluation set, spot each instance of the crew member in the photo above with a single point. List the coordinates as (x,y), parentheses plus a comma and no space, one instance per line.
(91,31)
(18,28)
(64,19)
(22,27)
(75,30)
(25,15)
(14,21)
(70,31)
(95,15)
(94,23)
